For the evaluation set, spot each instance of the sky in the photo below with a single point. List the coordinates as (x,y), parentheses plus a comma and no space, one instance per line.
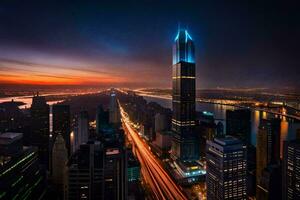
(253,44)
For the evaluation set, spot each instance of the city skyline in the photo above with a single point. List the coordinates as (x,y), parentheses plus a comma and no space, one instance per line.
(105,45)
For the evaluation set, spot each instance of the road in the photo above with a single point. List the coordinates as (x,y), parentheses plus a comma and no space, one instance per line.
(161,184)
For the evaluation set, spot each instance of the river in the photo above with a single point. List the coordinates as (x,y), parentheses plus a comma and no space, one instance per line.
(288,125)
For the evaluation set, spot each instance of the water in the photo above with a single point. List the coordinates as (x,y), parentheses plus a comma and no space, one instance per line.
(288,125)
(27,100)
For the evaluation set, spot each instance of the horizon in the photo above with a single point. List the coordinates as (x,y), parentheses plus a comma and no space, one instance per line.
(106,45)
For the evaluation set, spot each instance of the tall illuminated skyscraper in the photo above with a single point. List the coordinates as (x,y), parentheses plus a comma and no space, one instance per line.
(183,98)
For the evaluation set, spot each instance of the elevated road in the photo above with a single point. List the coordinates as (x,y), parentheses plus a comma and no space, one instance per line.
(161,184)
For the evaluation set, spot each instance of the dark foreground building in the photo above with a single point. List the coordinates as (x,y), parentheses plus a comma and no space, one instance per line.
(238,124)
(39,136)
(21,176)
(85,173)
(61,123)
(98,170)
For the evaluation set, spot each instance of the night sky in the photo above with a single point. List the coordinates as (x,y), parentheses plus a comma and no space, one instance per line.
(129,43)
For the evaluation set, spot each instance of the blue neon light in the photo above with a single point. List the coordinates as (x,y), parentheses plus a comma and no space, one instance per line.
(177,36)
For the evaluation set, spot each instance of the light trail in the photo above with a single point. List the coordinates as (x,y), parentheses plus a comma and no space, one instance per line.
(161,184)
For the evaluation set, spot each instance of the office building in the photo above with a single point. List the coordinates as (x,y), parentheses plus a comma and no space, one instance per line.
(115,177)
(267,145)
(269,186)
(134,175)
(184,145)
(163,142)
(85,173)
(291,170)
(61,123)
(220,129)
(59,161)
(39,136)
(133,171)
(21,176)
(102,120)
(238,124)
(114,113)
(161,122)
(83,127)
(226,160)
(11,117)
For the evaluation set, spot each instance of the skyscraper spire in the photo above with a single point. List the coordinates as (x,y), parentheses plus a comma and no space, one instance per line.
(183,48)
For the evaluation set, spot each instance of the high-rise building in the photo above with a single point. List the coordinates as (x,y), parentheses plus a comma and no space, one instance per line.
(238,124)
(115,162)
(21,176)
(134,175)
(161,122)
(61,123)
(40,127)
(226,173)
(83,127)
(59,161)
(116,172)
(269,186)
(291,170)
(98,170)
(85,173)
(114,113)
(184,145)
(267,145)
(102,120)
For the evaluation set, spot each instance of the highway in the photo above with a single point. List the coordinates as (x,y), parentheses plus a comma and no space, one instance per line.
(159,181)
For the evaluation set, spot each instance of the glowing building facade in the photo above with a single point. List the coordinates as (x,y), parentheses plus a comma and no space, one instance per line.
(183,98)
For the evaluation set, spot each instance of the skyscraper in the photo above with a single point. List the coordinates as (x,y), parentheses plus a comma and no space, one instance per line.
(102,120)
(291,170)
(226,159)
(238,124)
(269,186)
(61,123)
(40,127)
(59,161)
(267,145)
(114,113)
(85,173)
(83,127)
(21,176)
(184,146)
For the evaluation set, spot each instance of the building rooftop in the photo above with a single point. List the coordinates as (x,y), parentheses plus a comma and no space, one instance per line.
(227,140)
(9,137)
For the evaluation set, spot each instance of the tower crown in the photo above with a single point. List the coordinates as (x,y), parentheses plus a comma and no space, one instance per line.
(183,36)
(183,49)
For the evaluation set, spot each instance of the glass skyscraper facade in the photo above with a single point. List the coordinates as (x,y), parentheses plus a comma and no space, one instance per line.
(183,97)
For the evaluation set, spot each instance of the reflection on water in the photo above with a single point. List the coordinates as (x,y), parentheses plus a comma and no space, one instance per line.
(288,126)
(27,100)
(284,127)
(255,118)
